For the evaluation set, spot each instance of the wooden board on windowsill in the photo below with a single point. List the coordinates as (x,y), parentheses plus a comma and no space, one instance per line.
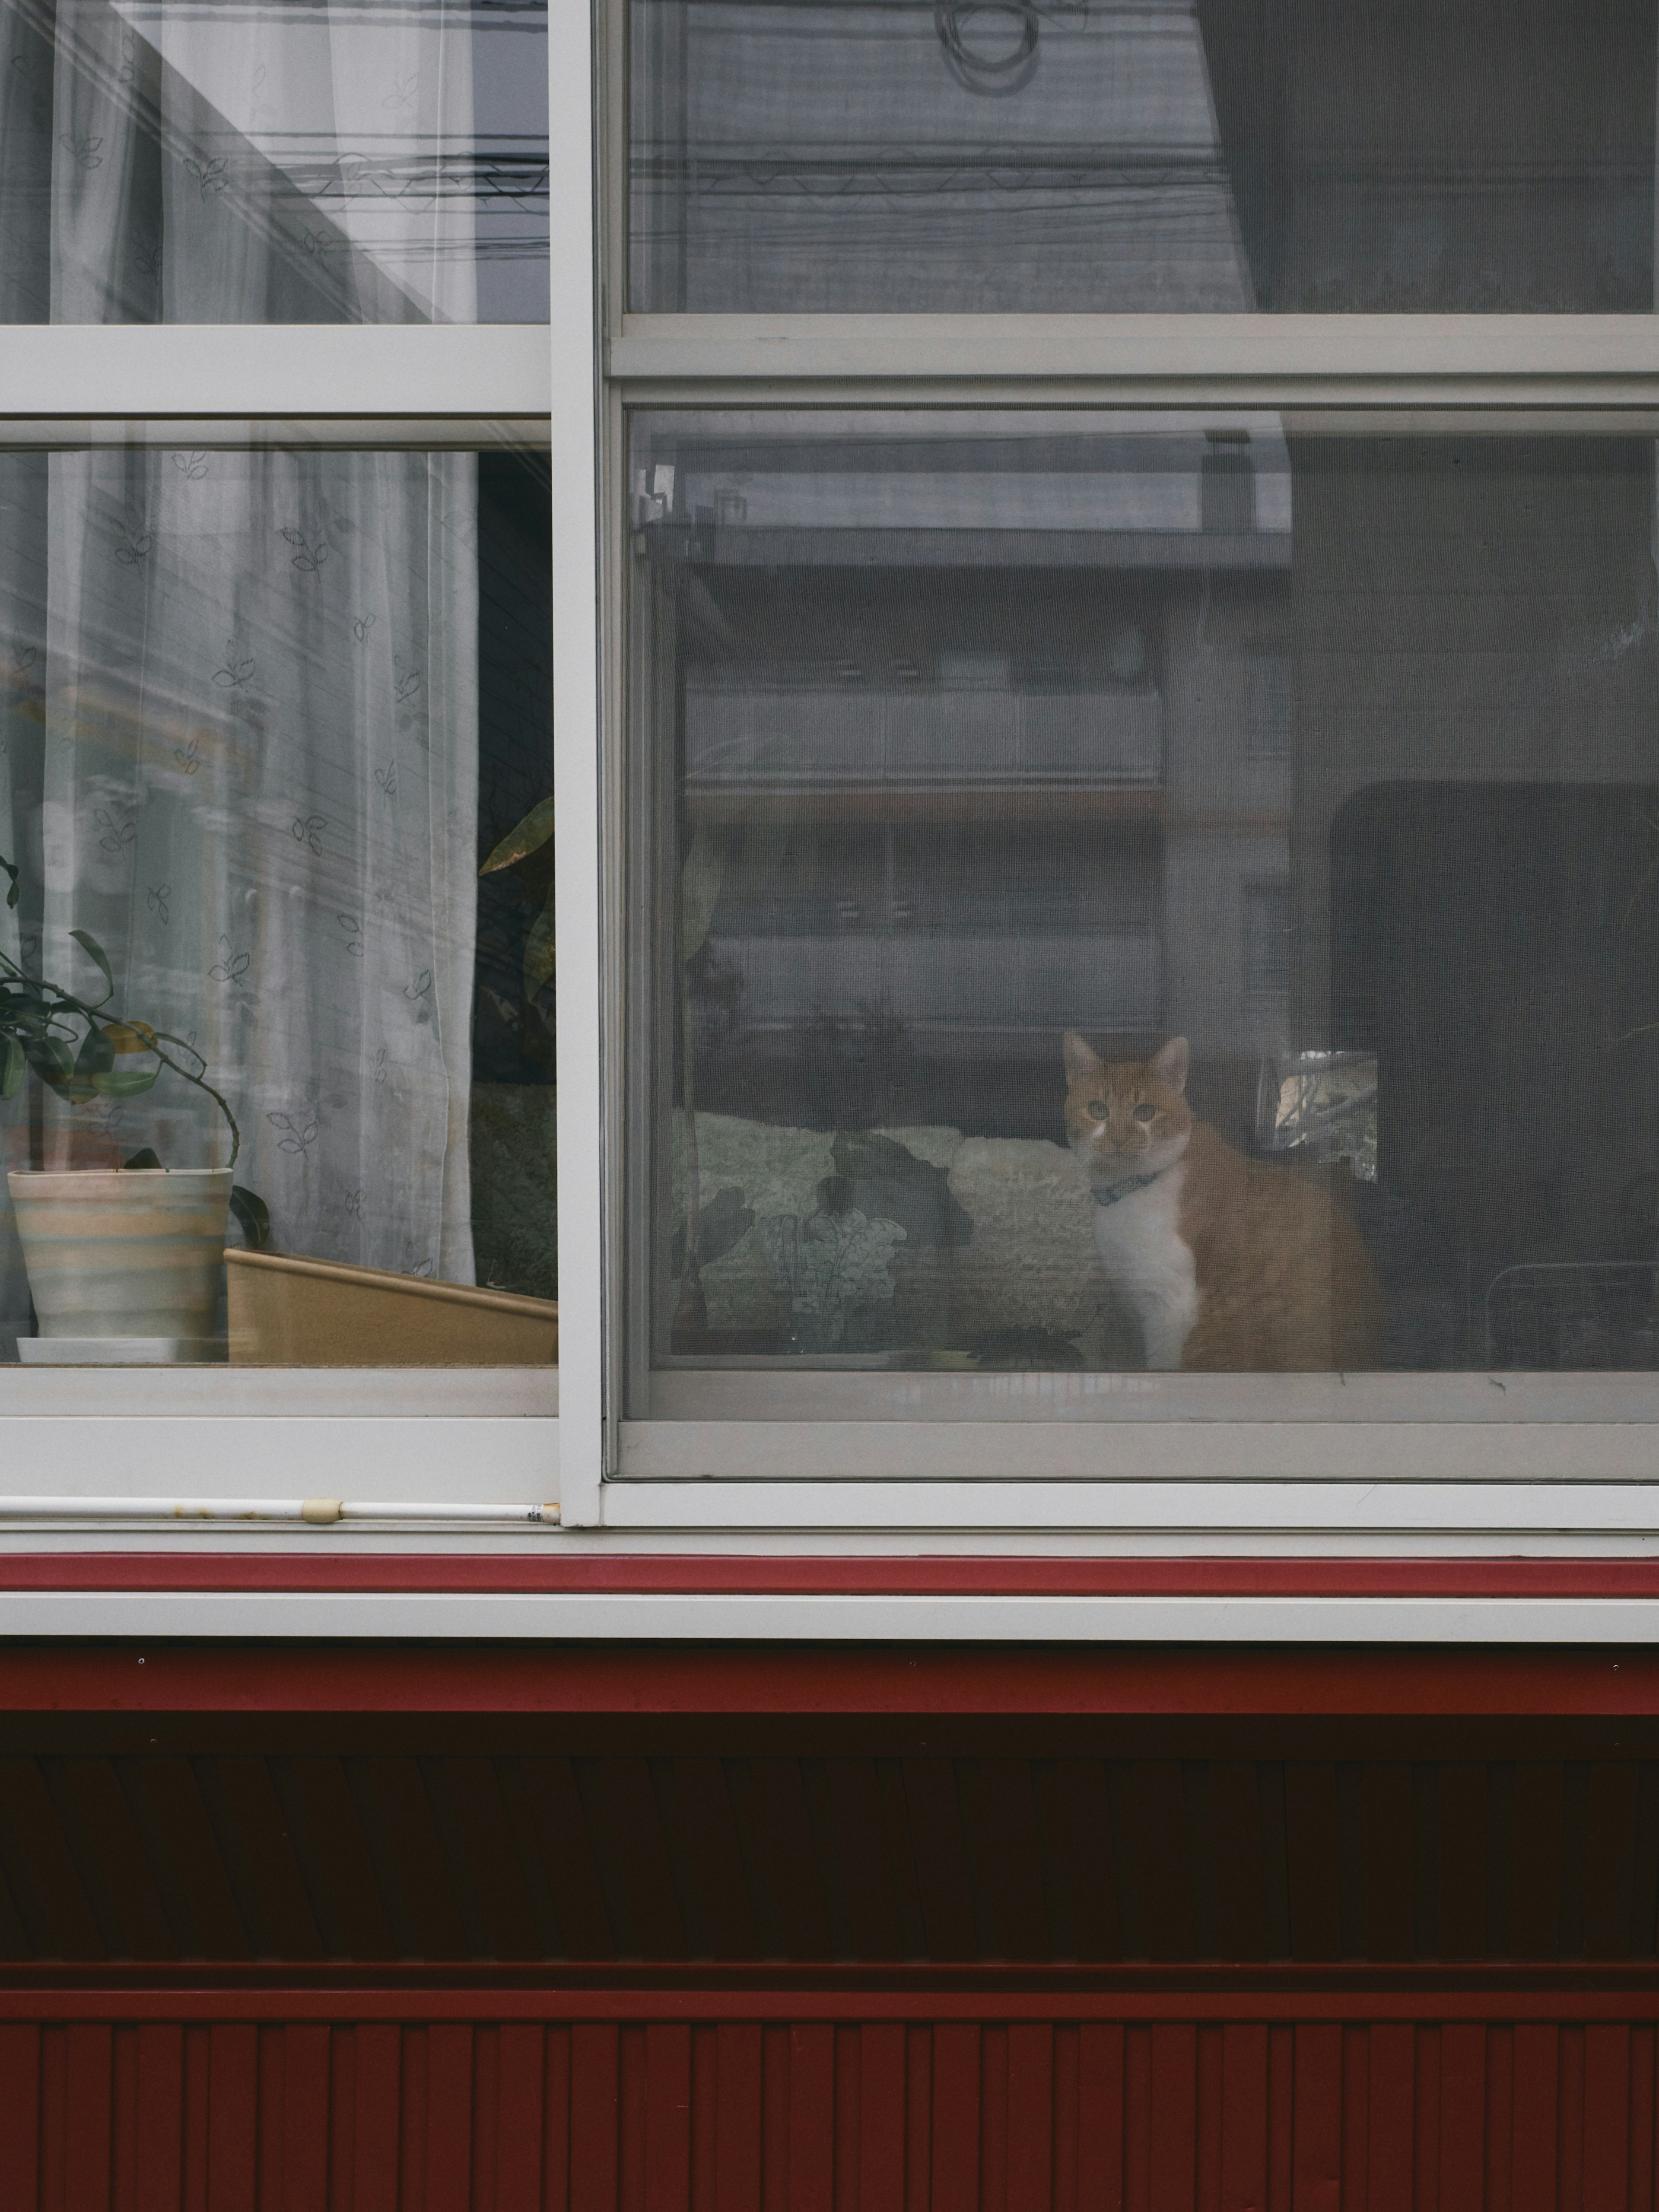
(291,1312)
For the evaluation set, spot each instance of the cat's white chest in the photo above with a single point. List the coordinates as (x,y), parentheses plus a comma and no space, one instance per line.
(1150,1264)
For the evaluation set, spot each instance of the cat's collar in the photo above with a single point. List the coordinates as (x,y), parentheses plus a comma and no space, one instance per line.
(1108,1193)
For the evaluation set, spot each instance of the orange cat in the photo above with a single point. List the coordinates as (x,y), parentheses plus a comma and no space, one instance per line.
(1229,1264)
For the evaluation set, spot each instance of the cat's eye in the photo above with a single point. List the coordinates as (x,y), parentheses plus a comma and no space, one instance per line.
(1145,1112)
(1098,1109)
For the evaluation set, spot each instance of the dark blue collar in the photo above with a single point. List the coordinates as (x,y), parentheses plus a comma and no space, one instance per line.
(1108,1193)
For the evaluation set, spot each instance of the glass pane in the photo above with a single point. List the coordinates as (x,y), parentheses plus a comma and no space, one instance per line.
(287,161)
(1071,155)
(1143,892)
(265,717)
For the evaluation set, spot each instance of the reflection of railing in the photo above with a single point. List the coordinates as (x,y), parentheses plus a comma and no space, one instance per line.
(938,737)
(1567,1314)
(1099,982)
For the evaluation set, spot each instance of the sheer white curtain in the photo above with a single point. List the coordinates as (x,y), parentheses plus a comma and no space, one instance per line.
(240,715)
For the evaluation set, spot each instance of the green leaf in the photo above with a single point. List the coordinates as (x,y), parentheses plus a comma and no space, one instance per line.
(13,1061)
(541,952)
(94,952)
(51,1060)
(132,1085)
(531,834)
(252,1215)
(96,1056)
(146,1159)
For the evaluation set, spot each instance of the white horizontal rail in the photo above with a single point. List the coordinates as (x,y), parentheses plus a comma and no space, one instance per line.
(833,1619)
(138,370)
(314,1512)
(1372,354)
(1174,1510)
(429,1457)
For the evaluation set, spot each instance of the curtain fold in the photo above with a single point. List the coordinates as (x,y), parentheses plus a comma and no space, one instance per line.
(239,734)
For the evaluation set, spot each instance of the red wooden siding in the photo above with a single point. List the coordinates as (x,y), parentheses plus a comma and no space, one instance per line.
(1011,2115)
(909,1858)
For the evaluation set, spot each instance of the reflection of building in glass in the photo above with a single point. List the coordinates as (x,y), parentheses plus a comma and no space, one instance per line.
(998,703)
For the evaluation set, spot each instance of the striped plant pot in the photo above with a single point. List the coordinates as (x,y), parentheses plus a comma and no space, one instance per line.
(123,1252)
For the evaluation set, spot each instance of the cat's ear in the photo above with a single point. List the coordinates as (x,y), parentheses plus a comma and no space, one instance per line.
(1081,1062)
(1169,1063)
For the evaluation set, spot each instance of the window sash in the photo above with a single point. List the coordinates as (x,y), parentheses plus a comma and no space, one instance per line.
(1245,1460)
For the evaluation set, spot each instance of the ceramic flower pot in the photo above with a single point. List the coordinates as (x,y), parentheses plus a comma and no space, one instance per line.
(130,1252)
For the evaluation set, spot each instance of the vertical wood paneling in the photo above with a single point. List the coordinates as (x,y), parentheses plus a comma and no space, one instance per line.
(19,2113)
(1067,2120)
(737,2051)
(1570,2123)
(1607,2118)
(845,2118)
(1243,2119)
(593,2096)
(521,2122)
(1537,2071)
(1100,2118)
(124,2120)
(956,2116)
(1462,2117)
(377,2076)
(54,2119)
(1173,2135)
(1281,2048)
(1461,1861)
(1318,2119)
(668,2117)
(89,2083)
(1208,2152)
(1641,2042)
(1087,1865)
(918,2118)
(1137,2119)
(1427,2116)
(448,2118)
(1313,1846)
(170,1788)
(555,2122)
(1387,1871)
(1391,2086)
(882,2113)
(811,2119)
(1500,2119)
(160,2115)
(994,2119)
(882,2116)
(1030,2116)
(232,2117)
(306,2074)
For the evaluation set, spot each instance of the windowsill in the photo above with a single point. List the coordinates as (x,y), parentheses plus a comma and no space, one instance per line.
(334,1392)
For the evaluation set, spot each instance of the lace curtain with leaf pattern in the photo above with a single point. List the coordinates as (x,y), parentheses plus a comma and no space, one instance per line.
(239,689)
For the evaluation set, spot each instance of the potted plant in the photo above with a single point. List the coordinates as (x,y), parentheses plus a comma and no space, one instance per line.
(128,1255)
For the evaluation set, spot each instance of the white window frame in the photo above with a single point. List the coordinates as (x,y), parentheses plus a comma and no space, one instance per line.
(434,1455)
(1424,1464)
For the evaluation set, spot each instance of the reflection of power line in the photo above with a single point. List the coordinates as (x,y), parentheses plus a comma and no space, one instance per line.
(979,64)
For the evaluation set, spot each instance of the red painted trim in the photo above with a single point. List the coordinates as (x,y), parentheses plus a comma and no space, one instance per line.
(1633,2000)
(715,1575)
(980,1983)
(376,1677)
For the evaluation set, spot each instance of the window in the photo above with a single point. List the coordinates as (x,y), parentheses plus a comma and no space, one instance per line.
(899,156)
(1110,718)
(183,162)
(276,929)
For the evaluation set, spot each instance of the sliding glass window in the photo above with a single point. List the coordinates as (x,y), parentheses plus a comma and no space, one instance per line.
(275,935)
(1128,892)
